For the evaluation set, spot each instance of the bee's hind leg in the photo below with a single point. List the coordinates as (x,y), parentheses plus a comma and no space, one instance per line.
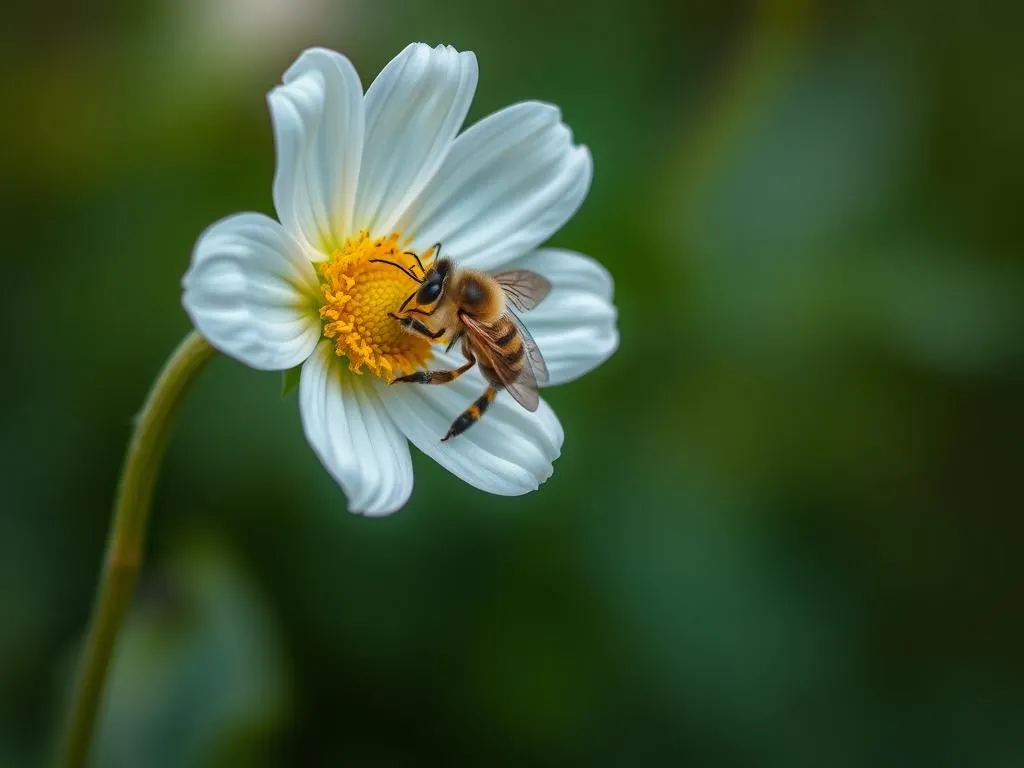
(471,415)
(438,377)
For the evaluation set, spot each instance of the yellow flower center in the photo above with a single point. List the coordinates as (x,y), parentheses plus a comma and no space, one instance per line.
(358,295)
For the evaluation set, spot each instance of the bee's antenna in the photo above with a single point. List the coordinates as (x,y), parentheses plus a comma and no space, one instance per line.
(396,265)
(417,257)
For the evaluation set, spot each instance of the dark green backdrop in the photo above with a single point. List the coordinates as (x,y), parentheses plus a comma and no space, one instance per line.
(785,529)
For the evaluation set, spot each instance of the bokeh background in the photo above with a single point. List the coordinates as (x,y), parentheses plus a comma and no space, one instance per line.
(786,526)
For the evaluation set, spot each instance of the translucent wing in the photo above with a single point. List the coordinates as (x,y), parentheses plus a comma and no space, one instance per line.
(524,289)
(534,358)
(522,383)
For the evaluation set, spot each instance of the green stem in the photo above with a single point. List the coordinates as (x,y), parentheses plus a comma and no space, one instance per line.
(126,540)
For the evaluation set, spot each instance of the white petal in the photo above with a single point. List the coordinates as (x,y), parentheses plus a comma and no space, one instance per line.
(353,435)
(413,110)
(575,326)
(318,128)
(508,452)
(508,184)
(252,292)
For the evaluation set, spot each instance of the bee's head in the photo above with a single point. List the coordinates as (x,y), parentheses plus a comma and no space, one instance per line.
(434,282)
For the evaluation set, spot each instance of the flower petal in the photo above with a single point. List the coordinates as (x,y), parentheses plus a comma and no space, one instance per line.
(318,129)
(509,452)
(575,326)
(508,184)
(251,291)
(353,435)
(413,110)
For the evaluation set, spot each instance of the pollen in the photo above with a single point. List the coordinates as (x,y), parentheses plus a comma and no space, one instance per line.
(358,295)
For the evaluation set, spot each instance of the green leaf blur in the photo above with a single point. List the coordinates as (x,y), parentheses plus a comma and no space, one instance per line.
(289,381)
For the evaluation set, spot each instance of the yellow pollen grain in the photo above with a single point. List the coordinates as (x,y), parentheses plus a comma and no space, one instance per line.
(358,295)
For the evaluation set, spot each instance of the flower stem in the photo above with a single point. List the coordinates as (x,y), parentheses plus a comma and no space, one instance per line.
(126,539)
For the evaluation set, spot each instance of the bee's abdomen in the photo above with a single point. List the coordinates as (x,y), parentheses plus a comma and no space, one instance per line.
(509,348)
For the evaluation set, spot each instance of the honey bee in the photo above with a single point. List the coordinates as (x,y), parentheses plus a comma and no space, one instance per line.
(477,309)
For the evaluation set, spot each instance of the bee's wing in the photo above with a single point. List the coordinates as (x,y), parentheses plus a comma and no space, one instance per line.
(524,289)
(521,384)
(534,359)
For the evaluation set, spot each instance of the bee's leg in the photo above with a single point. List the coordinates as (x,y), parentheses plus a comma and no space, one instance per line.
(416,326)
(419,311)
(471,415)
(438,377)
(455,340)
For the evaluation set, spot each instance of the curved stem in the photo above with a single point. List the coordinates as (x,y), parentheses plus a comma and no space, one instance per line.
(126,539)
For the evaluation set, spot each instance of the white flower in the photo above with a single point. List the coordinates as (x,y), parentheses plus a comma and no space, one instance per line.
(382,173)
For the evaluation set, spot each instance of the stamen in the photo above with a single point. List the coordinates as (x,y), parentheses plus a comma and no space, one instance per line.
(361,287)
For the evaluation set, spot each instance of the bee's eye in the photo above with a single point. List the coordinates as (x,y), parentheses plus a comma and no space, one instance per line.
(428,293)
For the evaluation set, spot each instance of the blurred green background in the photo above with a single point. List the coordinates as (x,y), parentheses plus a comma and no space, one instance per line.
(786,526)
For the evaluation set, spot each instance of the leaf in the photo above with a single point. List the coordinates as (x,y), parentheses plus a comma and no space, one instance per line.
(290,380)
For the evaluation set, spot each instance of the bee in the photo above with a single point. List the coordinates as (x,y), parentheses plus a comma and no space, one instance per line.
(477,309)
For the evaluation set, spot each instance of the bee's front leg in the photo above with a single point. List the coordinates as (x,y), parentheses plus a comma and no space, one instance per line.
(416,326)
